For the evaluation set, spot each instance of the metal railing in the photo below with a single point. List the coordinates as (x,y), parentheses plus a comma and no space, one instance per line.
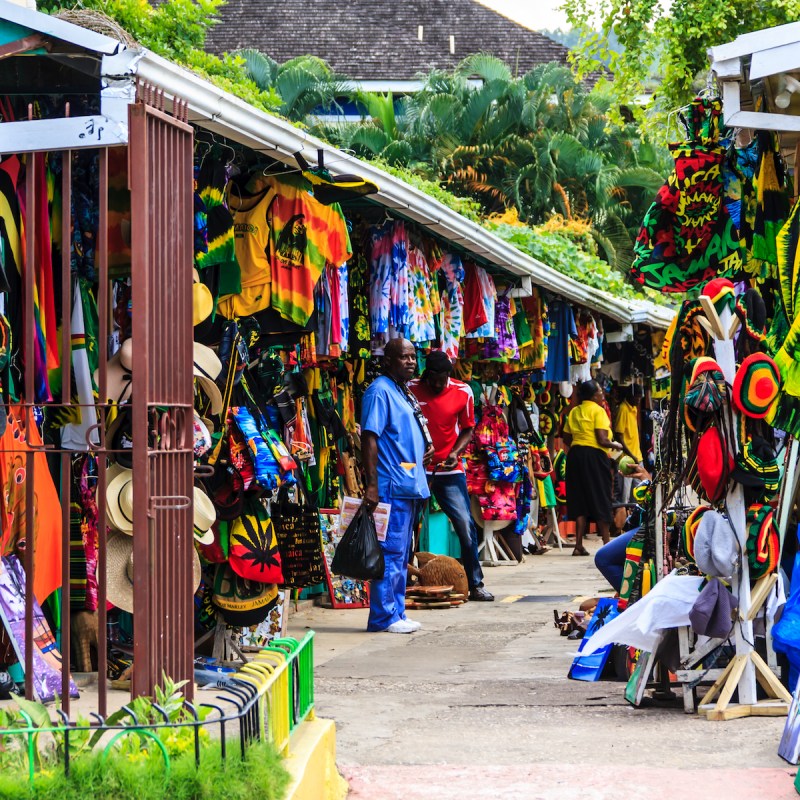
(270,695)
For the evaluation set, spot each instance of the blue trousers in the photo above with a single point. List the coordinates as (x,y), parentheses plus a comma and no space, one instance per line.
(451,494)
(610,558)
(387,597)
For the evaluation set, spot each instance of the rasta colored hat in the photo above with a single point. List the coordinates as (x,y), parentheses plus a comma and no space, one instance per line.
(757,466)
(547,422)
(763,545)
(721,292)
(714,464)
(690,529)
(756,385)
(705,390)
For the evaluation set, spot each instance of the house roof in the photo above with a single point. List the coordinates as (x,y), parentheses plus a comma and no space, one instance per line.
(379,39)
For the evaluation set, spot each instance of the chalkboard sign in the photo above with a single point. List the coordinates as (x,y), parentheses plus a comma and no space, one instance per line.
(297,528)
(344,592)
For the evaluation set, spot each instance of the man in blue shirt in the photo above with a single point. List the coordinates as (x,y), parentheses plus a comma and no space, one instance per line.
(394,452)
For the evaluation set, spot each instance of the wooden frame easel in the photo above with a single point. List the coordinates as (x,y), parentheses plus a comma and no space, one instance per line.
(747,667)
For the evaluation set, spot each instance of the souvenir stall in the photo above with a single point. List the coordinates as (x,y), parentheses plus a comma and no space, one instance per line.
(153,199)
(701,581)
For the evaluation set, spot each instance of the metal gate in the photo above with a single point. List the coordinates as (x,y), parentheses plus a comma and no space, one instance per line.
(160,170)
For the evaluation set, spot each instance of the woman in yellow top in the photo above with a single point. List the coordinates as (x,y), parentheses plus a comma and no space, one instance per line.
(587,433)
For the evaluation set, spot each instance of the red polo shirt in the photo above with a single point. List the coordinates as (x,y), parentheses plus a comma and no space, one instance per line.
(448,414)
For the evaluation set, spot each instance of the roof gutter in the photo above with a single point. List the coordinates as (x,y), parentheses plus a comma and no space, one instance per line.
(227,115)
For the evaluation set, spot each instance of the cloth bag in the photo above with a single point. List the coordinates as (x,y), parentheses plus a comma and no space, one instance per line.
(359,554)
(297,528)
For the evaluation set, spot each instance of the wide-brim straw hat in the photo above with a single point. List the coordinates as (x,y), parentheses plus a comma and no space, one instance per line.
(205,515)
(119,571)
(207,368)
(118,373)
(119,501)
(202,300)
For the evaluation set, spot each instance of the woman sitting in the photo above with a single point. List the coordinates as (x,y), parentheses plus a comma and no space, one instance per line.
(587,433)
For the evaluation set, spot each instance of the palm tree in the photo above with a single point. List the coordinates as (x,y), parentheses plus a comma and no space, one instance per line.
(304,84)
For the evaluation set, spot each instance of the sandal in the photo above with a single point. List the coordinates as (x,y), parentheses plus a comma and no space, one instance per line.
(580,551)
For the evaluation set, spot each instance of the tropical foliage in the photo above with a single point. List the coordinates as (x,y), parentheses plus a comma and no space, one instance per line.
(683,29)
(540,144)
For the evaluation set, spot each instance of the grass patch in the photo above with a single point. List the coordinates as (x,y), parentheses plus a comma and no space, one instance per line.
(127,777)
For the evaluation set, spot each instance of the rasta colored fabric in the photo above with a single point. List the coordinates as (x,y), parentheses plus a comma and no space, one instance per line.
(785,412)
(772,201)
(687,236)
(690,530)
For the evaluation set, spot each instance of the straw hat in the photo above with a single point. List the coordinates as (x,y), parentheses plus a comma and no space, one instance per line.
(119,501)
(207,368)
(205,515)
(202,300)
(118,373)
(119,571)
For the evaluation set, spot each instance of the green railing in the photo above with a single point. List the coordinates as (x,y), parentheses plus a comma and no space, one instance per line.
(272,694)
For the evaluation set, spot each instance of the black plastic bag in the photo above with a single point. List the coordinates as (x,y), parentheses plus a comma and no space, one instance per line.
(359,554)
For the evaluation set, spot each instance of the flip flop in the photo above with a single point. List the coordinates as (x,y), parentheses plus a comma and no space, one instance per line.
(581,552)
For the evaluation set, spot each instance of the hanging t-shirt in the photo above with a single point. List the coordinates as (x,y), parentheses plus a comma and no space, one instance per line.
(304,235)
(536,311)
(452,303)
(422,295)
(252,242)
(562,327)
(489,298)
(474,308)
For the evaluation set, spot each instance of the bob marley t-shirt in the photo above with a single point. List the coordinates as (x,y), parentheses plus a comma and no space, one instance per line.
(305,235)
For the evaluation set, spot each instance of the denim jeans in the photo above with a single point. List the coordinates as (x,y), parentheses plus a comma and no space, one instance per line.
(610,558)
(450,492)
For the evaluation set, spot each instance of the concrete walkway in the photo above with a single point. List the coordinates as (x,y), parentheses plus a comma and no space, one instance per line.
(477,704)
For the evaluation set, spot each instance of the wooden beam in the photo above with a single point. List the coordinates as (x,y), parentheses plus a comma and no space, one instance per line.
(24,45)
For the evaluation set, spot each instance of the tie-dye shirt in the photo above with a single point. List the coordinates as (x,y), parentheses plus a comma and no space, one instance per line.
(305,234)
(452,303)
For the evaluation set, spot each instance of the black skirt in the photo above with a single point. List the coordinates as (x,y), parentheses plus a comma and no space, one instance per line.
(588,484)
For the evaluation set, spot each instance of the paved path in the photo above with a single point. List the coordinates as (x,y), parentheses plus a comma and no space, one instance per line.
(477,704)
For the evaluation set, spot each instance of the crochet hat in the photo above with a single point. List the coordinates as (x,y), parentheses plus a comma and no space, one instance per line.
(714,611)
(714,464)
(763,545)
(757,466)
(715,547)
(690,529)
(756,385)
(547,422)
(721,293)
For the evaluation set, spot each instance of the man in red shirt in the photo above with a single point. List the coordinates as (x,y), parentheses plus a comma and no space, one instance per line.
(449,407)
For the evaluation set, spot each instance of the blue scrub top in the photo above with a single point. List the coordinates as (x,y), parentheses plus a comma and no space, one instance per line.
(386,412)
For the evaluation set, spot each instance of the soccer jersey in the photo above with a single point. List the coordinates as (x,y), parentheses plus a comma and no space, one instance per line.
(628,425)
(448,413)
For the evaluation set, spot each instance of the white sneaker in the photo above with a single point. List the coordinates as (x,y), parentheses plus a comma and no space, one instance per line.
(401,626)
(417,625)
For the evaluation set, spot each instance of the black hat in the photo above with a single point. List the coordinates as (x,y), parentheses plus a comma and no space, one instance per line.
(438,361)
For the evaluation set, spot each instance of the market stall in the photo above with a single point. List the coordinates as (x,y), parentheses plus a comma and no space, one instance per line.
(226,286)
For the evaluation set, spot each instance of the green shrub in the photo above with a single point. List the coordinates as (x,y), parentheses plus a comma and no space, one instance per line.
(261,775)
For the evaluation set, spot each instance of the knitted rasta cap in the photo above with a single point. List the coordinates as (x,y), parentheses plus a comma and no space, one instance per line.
(762,540)
(756,385)
(690,529)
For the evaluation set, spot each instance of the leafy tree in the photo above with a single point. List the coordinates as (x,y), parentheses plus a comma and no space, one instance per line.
(683,29)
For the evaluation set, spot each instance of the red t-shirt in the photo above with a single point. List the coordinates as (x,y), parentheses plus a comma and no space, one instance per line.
(448,414)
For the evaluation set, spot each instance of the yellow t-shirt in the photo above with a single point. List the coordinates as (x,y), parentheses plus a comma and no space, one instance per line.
(628,425)
(582,422)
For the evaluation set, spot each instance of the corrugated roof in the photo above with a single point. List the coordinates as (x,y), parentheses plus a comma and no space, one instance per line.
(379,39)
